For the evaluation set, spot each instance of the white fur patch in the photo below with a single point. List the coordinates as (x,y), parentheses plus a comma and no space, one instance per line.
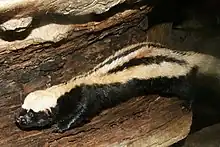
(39,101)
(164,69)
(45,99)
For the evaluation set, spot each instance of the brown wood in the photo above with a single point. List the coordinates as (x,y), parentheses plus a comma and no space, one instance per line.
(24,8)
(32,63)
(145,121)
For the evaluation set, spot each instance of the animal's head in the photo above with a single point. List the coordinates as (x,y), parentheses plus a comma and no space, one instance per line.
(37,110)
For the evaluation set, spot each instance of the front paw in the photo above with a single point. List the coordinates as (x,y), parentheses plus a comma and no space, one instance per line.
(58,128)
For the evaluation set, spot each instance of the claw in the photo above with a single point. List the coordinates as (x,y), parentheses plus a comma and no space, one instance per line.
(56,129)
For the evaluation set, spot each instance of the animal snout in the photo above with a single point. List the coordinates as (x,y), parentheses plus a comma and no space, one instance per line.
(21,120)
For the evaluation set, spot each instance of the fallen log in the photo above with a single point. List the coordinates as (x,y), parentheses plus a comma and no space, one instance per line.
(144,121)
(11,9)
(52,53)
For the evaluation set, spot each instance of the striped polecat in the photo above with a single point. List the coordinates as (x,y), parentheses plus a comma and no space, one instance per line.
(136,70)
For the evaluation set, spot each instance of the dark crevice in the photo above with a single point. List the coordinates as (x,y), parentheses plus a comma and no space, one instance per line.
(205,108)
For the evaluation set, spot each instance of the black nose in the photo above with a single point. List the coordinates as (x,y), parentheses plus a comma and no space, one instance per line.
(21,120)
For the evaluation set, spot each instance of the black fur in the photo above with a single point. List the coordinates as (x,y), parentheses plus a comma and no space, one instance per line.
(109,61)
(83,102)
(147,45)
(124,53)
(146,61)
(156,45)
(30,119)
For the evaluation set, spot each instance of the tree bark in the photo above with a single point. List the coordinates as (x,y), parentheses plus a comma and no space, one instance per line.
(52,52)
(145,121)
(23,8)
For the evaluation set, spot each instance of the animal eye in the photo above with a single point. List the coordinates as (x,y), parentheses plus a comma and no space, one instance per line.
(31,114)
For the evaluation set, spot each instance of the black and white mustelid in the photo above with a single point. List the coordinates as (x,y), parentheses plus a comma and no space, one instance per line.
(136,70)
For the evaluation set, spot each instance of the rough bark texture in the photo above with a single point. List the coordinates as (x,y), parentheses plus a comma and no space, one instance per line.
(38,61)
(50,50)
(24,8)
(144,121)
